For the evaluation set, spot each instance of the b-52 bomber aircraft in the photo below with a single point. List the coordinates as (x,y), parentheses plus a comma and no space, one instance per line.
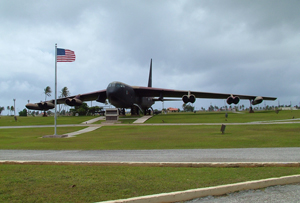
(139,98)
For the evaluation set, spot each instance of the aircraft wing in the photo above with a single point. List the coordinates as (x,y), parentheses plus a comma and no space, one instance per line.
(159,92)
(85,97)
(76,100)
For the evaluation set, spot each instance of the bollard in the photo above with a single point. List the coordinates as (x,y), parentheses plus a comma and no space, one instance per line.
(223,128)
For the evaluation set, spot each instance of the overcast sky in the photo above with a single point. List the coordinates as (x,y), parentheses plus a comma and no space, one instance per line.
(240,47)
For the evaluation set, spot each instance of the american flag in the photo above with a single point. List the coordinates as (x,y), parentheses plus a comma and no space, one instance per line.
(65,55)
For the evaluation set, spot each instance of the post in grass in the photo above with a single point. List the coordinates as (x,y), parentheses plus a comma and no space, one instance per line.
(223,128)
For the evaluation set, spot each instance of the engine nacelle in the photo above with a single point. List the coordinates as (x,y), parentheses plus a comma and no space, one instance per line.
(257,100)
(46,105)
(49,105)
(42,106)
(188,98)
(185,99)
(73,102)
(33,106)
(192,98)
(233,100)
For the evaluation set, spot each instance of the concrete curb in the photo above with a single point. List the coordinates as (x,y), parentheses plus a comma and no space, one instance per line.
(162,164)
(210,191)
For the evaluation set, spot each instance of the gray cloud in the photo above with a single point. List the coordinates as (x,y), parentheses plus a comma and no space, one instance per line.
(244,47)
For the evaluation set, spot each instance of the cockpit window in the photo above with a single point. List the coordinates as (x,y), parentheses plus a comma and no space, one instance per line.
(115,84)
(119,85)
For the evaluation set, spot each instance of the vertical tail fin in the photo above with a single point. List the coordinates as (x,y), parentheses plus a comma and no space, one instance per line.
(150,75)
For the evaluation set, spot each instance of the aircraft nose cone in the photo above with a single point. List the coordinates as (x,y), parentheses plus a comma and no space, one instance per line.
(112,94)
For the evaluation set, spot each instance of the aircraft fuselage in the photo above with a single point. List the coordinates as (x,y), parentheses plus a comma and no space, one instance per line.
(122,95)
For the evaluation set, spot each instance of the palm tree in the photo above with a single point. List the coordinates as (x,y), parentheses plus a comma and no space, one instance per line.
(12,109)
(47,92)
(8,108)
(64,93)
(1,109)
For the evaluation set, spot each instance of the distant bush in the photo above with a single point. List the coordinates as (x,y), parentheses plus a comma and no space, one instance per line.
(23,113)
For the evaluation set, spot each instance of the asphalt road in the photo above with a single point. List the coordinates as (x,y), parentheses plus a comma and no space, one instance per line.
(183,155)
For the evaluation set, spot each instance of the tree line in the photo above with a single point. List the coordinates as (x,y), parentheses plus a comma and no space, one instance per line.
(9,108)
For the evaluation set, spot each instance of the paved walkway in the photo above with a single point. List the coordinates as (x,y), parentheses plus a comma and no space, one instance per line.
(142,119)
(94,120)
(89,129)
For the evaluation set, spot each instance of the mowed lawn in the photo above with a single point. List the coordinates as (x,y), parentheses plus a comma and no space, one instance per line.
(182,117)
(39,120)
(89,183)
(219,117)
(84,183)
(155,137)
(160,137)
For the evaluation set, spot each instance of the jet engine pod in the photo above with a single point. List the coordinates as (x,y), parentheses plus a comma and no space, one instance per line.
(192,98)
(188,98)
(46,105)
(73,102)
(49,105)
(185,99)
(33,106)
(233,100)
(40,106)
(236,100)
(229,100)
(257,100)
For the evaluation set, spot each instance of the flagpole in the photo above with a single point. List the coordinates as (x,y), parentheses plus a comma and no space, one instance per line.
(55,89)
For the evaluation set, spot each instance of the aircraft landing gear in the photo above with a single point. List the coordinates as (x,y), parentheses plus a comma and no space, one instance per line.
(251,109)
(122,111)
(147,111)
(135,111)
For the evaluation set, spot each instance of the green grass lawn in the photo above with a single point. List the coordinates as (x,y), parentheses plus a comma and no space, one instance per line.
(155,137)
(182,117)
(53,183)
(30,138)
(38,120)
(219,117)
